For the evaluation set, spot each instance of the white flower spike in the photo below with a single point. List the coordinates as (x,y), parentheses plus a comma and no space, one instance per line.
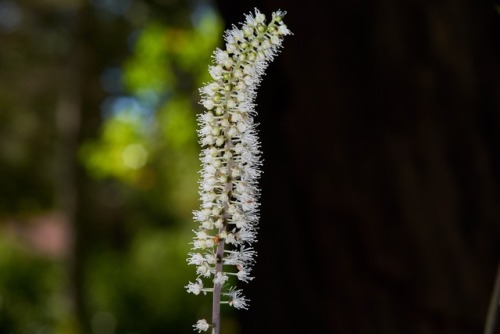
(229,193)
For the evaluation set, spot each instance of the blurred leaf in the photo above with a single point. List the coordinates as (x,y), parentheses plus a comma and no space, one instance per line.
(149,67)
(120,152)
(31,291)
(144,289)
(142,155)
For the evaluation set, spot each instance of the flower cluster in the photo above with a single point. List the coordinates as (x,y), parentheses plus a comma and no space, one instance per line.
(230,158)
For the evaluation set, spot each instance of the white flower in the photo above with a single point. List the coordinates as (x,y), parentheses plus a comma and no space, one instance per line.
(247,235)
(209,243)
(198,244)
(231,48)
(209,104)
(247,30)
(196,259)
(220,278)
(240,258)
(275,40)
(231,159)
(211,258)
(231,239)
(216,72)
(283,30)
(195,288)
(203,270)
(202,215)
(210,89)
(237,300)
(202,235)
(221,56)
(201,326)
(243,275)
(259,17)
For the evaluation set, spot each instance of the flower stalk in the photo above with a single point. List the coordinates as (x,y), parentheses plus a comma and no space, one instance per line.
(231,160)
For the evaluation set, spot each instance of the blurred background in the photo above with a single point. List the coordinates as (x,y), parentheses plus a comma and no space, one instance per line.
(380,128)
(99,163)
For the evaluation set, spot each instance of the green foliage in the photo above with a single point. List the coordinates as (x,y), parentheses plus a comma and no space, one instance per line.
(33,47)
(120,151)
(149,67)
(144,289)
(31,293)
(167,60)
(143,151)
(153,148)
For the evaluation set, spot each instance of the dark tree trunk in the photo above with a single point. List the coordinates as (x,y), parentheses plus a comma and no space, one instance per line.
(78,118)
(380,194)
(69,129)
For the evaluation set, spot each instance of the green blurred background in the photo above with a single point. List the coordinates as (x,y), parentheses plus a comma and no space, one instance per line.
(99,163)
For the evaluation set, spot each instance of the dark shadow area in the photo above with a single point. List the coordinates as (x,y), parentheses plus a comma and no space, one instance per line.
(380,204)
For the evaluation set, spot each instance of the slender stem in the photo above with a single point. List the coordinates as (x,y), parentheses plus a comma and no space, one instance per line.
(493,308)
(219,258)
(217,289)
(220,247)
